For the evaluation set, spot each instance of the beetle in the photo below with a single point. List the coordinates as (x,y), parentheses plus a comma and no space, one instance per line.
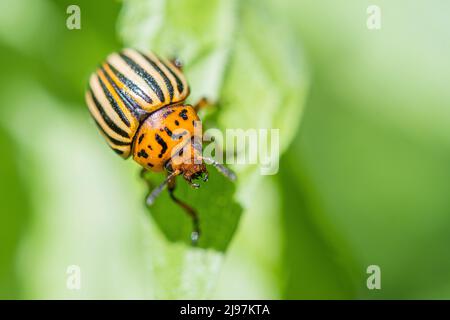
(137,101)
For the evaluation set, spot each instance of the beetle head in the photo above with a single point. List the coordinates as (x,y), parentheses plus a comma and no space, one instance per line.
(194,171)
(189,163)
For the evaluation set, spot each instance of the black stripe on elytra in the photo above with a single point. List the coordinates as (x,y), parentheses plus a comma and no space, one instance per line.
(150,165)
(111,124)
(167,130)
(111,139)
(127,100)
(161,73)
(130,84)
(119,152)
(180,86)
(144,75)
(183,114)
(162,143)
(113,102)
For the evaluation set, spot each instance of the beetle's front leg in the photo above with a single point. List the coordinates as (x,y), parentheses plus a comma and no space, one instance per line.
(188,209)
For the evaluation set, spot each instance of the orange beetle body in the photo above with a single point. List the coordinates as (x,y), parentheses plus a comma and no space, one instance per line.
(164,136)
(138,103)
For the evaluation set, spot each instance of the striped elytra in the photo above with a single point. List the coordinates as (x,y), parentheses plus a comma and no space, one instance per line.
(126,88)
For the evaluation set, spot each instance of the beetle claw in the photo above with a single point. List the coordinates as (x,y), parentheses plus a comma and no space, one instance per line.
(194,237)
(194,185)
(177,62)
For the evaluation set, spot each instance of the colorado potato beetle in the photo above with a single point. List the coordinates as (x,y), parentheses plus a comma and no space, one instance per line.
(137,101)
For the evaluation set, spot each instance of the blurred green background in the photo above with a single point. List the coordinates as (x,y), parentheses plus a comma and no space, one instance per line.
(364,178)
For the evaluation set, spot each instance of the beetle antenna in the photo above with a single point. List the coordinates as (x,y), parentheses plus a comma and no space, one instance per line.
(157,191)
(221,168)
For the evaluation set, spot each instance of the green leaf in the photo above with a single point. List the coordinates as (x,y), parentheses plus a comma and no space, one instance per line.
(218,215)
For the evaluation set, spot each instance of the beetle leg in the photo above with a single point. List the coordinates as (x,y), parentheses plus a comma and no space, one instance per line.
(188,209)
(157,191)
(193,185)
(202,104)
(177,63)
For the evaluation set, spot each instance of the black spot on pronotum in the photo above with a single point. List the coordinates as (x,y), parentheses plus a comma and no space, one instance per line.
(142,154)
(169,133)
(177,123)
(183,114)
(150,147)
(178,136)
(141,137)
(196,143)
(162,143)
(168,166)
(150,165)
